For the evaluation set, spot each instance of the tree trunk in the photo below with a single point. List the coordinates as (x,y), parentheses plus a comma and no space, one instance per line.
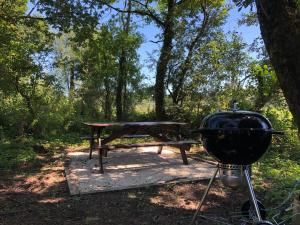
(280,27)
(26,99)
(125,100)
(72,80)
(121,82)
(107,101)
(120,85)
(162,63)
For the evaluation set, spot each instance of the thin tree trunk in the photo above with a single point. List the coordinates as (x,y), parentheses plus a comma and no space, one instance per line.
(107,93)
(162,63)
(72,80)
(121,82)
(164,58)
(120,85)
(125,100)
(107,101)
(127,31)
(280,27)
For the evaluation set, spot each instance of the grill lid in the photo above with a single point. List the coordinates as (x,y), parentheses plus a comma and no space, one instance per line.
(236,121)
(236,137)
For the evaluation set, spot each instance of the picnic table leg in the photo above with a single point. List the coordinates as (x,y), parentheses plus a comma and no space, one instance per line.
(91,142)
(98,136)
(104,152)
(183,155)
(159,149)
(178,135)
(158,137)
(100,152)
(99,130)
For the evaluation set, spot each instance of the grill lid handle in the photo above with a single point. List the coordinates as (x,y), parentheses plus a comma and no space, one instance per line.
(234,105)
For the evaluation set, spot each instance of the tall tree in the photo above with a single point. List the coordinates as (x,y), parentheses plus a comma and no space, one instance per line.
(196,29)
(166,14)
(24,44)
(164,17)
(128,40)
(280,28)
(219,74)
(67,60)
(109,68)
(121,80)
(99,72)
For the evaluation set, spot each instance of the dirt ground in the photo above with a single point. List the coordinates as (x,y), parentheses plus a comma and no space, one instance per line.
(38,194)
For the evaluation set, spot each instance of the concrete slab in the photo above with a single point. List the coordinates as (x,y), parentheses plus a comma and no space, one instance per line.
(131,168)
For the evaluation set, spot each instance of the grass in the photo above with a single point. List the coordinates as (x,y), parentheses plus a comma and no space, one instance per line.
(13,155)
(19,152)
(279,169)
(16,153)
(145,107)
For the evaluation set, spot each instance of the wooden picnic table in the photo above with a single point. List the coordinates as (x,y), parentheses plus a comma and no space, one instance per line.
(159,130)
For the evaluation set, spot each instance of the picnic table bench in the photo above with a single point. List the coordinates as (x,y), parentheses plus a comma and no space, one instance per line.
(138,130)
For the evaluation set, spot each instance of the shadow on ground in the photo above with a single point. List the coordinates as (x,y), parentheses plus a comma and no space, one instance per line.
(41,196)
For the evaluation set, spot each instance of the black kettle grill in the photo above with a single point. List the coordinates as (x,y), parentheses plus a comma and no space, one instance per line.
(236,139)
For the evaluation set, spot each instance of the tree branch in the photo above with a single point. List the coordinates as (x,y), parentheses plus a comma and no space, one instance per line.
(33,8)
(25,17)
(139,12)
(32,18)
(184,68)
(201,28)
(156,42)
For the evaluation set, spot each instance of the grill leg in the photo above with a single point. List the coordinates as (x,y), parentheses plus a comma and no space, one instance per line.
(204,196)
(253,196)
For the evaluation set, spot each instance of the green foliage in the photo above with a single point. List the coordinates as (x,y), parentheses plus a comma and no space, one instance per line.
(220,72)
(243,3)
(83,85)
(80,16)
(281,118)
(14,155)
(18,153)
(279,168)
(24,47)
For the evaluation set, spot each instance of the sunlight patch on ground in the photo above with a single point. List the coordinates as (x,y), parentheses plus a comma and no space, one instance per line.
(41,183)
(51,200)
(175,201)
(131,168)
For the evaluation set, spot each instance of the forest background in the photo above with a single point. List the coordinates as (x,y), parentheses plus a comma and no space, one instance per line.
(66,62)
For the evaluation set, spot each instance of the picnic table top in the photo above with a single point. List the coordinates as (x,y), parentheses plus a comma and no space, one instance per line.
(123,124)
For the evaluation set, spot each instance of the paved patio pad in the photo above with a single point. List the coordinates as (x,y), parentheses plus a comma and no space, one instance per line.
(131,168)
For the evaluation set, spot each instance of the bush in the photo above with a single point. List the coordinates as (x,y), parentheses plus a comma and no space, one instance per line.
(279,168)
